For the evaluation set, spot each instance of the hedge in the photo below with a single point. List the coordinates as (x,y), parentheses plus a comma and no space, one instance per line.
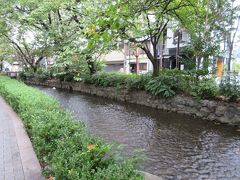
(64,148)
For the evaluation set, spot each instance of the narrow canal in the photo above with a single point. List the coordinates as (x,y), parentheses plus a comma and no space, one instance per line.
(175,146)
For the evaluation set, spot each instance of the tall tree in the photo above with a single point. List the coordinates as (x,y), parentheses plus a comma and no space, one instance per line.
(211,25)
(141,22)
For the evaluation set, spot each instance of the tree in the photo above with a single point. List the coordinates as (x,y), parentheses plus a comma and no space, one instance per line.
(29,44)
(200,23)
(229,19)
(67,25)
(141,22)
(211,25)
(38,29)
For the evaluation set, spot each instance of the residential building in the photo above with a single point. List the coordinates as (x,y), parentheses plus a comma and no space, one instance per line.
(129,59)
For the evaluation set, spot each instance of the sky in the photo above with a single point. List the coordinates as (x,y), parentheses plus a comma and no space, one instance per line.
(237,2)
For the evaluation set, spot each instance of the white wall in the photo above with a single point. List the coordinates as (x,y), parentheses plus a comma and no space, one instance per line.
(170,33)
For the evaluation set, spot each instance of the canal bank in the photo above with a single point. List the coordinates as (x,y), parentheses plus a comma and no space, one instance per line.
(175,146)
(49,125)
(211,110)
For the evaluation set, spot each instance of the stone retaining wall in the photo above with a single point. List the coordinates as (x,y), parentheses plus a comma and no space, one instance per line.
(207,109)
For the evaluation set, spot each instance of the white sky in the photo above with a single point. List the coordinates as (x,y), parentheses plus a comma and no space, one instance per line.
(237,2)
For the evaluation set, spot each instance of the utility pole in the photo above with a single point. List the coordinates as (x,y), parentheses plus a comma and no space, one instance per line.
(177,49)
(137,53)
(126,65)
(230,47)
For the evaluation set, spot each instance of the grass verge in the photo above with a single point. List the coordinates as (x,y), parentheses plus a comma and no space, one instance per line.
(63,147)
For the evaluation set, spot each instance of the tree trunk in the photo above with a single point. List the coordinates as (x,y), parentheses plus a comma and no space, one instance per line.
(229,60)
(91,65)
(153,59)
(1,65)
(34,68)
(155,67)
(198,62)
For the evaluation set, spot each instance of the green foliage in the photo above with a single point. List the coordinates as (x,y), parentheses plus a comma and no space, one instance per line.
(41,74)
(116,79)
(183,80)
(137,82)
(65,76)
(25,75)
(236,66)
(62,145)
(167,84)
(163,85)
(230,86)
(205,89)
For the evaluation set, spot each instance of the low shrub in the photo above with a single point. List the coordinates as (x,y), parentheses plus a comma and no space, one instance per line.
(167,84)
(64,148)
(26,75)
(40,74)
(163,85)
(42,77)
(230,86)
(116,79)
(113,79)
(22,75)
(137,82)
(205,89)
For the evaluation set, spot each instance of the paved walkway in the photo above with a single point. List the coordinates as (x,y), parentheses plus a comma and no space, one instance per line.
(17,158)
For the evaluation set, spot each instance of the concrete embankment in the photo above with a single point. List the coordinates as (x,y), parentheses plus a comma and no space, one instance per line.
(211,110)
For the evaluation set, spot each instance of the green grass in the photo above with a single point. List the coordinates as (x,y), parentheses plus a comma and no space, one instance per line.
(63,147)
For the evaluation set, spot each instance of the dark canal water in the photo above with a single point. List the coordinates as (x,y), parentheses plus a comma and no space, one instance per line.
(176,146)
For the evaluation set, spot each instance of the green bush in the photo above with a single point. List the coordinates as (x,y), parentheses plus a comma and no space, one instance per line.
(115,79)
(26,75)
(60,76)
(61,143)
(167,84)
(163,85)
(40,74)
(105,79)
(65,76)
(137,82)
(22,75)
(204,89)
(69,77)
(42,77)
(230,86)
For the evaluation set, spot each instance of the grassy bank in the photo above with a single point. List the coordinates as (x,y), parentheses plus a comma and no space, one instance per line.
(64,148)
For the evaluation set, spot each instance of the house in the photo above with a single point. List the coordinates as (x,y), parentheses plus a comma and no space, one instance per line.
(173,45)
(131,59)
(127,59)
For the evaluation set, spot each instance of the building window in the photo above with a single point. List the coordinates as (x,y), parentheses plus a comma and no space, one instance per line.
(143,66)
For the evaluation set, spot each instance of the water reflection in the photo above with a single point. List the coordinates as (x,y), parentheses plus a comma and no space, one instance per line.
(176,146)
